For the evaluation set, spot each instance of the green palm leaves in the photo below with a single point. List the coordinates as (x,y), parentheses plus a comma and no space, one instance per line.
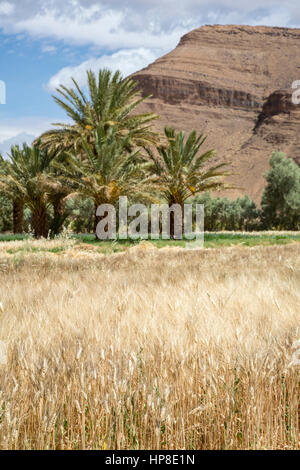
(22,179)
(110,102)
(180,171)
(107,150)
(106,169)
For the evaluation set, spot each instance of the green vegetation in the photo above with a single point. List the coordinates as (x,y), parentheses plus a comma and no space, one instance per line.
(108,152)
(211,240)
(281,198)
(6,214)
(180,172)
(109,103)
(107,170)
(224,214)
(22,180)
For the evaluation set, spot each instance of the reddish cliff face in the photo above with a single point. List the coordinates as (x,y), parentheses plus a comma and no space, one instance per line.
(279,102)
(232,83)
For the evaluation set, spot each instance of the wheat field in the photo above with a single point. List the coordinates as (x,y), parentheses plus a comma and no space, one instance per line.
(150,349)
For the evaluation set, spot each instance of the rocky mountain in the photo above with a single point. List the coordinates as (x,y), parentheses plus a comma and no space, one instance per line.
(234,84)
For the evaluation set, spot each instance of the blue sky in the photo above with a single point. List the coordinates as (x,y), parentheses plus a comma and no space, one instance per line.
(44,43)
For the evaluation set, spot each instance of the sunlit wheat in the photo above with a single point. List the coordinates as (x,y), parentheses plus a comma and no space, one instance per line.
(168,349)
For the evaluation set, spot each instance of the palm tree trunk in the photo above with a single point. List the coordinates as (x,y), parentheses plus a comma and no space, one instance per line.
(58,216)
(18,216)
(173,230)
(40,222)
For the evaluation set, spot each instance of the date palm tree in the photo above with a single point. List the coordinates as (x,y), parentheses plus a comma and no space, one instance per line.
(111,102)
(180,171)
(17,197)
(23,181)
(106,170)
(57,194)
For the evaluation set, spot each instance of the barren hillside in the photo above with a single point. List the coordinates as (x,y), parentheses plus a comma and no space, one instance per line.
(233,83)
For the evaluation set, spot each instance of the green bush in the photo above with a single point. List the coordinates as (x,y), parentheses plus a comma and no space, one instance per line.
(81,215)
(6,214)
(281,198)
(225,214)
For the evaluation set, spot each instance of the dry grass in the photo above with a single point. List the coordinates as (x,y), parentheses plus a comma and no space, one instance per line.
(155,349)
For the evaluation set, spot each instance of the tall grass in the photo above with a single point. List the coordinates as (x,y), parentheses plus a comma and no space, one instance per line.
(150,349)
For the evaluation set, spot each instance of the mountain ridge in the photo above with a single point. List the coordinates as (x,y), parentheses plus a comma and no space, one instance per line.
(223,81)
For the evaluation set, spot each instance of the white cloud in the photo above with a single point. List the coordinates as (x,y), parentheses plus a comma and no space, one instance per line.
(46,48)
(6,8)
(278,17)
(104,29)
(127,61)
(115,24)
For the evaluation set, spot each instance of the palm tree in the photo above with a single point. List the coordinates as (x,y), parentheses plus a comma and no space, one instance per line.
(17,197)
(57,194)
(109,103)
(180,171)
(105,170)
(23,181)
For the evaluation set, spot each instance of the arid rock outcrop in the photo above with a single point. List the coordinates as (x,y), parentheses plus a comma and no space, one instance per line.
(232,83)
